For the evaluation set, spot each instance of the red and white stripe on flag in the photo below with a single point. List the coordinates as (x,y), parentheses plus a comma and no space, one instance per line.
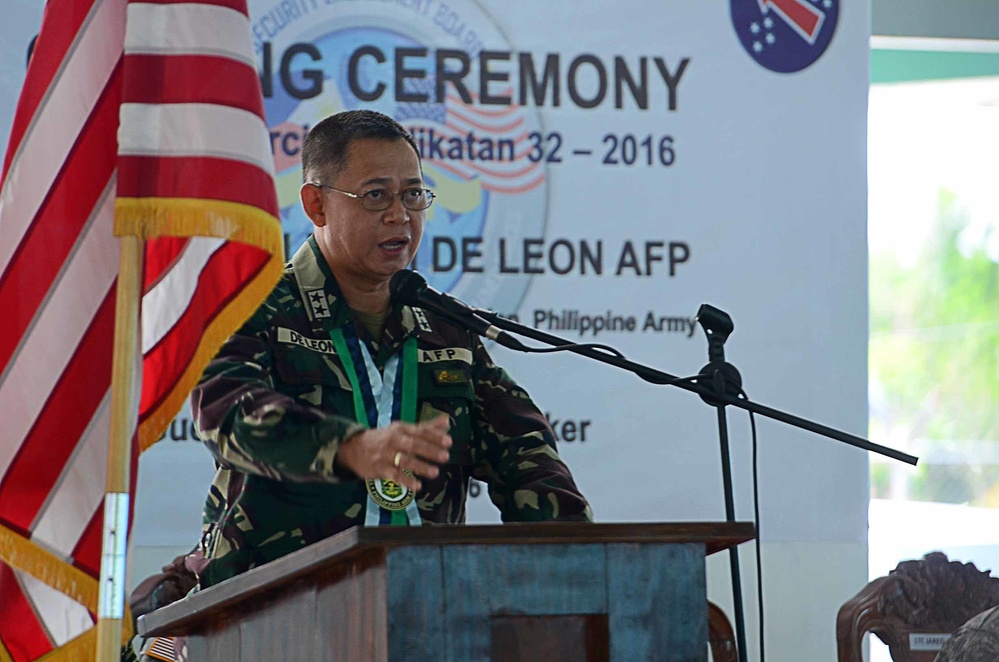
(191,173)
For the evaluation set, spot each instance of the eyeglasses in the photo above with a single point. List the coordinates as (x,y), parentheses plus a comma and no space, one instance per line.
(379,199)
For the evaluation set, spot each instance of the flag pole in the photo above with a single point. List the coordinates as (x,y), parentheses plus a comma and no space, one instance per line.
(124,411)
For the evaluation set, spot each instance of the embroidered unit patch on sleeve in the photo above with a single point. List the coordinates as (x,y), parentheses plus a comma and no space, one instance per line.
(449,376)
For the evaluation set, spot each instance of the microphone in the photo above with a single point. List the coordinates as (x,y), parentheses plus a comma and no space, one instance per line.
(410,288)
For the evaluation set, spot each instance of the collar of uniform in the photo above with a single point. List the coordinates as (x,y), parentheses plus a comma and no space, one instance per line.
(401,324)
(320,293)
(327,309)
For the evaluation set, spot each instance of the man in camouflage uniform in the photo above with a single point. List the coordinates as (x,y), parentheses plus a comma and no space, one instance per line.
(975,641)
(334,407)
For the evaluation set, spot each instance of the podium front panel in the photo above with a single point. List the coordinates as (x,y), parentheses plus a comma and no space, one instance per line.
(657,608)
(443,601)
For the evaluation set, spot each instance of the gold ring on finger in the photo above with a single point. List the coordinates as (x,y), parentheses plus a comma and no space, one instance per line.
(397,459)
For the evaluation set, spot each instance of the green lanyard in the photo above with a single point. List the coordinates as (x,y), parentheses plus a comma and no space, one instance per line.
(365,396)
(378,400)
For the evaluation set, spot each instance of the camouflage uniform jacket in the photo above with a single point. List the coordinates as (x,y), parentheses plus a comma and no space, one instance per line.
(275,403)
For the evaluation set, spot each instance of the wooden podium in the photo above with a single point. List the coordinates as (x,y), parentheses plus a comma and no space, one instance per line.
(533,592)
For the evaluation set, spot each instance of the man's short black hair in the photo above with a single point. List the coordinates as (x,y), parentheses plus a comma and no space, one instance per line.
(324,151)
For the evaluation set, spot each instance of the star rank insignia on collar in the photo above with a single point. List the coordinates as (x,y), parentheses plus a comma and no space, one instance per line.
(421,320)
(317,303)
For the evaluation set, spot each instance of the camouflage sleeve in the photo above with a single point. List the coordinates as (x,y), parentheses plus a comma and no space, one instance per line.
(516,453)
(251,427)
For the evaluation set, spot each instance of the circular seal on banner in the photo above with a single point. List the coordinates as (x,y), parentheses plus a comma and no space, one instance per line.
(389,494)
(785,35)
(420,63)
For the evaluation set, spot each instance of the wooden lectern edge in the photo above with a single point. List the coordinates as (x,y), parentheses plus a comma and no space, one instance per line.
(171,619)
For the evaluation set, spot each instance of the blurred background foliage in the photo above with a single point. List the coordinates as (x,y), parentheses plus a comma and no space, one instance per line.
(934,360)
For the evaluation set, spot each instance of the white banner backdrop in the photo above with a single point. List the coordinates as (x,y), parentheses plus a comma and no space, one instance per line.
(603,169)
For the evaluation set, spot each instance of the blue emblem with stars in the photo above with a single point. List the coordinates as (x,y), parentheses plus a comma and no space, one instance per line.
(785,35)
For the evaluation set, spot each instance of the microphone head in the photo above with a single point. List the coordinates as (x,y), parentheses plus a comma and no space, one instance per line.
(406,286)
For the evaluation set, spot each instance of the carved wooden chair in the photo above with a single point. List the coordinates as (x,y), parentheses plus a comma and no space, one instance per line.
(721,638)
(915,608)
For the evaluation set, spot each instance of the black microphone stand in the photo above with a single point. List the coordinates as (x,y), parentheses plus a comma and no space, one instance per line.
(720,385)
(725,380)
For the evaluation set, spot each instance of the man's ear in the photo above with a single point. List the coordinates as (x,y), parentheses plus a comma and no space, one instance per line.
(313,203)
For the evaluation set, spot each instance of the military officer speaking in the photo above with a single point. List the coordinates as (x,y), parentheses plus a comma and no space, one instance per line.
(334,406)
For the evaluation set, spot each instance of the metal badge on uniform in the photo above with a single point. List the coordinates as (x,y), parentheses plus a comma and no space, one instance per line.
(450,376)
(389,494)
(317,303)
(421,320)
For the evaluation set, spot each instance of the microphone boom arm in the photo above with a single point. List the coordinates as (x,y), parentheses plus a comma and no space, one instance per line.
(704,389)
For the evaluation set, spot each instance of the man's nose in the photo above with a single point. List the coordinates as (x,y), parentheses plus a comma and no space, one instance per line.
(397,212)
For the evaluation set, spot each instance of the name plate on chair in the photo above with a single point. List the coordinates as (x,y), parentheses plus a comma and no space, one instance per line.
(921,641)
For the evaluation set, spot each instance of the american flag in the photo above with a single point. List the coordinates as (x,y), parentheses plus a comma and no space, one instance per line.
(516,175)
(454,118)
(140,118)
